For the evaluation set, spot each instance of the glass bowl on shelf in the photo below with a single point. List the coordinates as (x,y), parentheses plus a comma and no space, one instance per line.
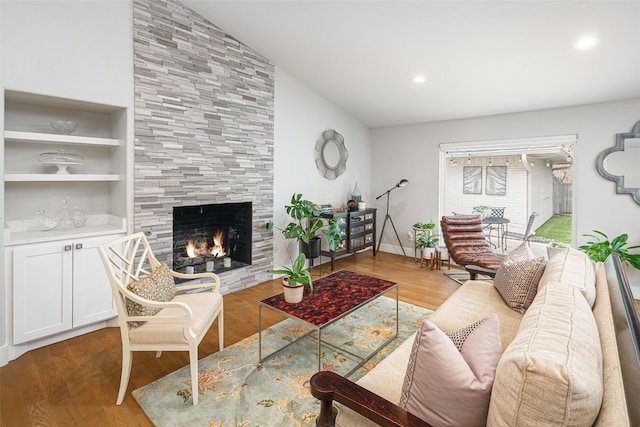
(64,127)
(62,160)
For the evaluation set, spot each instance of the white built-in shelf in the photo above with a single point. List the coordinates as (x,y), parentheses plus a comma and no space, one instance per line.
(56,177)
(19,232)
(52,138)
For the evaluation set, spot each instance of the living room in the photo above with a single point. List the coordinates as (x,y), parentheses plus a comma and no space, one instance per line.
(102,53)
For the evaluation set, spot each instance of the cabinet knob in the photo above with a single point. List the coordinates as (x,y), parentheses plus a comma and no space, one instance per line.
(78,245)
(67,247)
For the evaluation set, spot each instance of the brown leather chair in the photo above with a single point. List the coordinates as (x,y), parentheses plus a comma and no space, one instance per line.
(468,246)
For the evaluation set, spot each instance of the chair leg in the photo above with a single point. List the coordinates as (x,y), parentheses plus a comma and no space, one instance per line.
(124,377)
(221,329)
(193,360)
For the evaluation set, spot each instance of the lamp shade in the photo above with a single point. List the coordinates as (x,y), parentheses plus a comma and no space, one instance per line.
(402,183)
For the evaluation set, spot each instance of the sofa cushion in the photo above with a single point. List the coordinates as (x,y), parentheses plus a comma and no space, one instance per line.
(158,286)
(574,268)
(517,278)
(449,376)
(551,373)
(472,301)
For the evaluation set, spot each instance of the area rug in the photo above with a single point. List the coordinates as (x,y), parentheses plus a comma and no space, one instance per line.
(235,391)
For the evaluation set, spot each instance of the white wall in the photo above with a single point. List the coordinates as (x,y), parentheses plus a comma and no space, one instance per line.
(412,152)
(301,115)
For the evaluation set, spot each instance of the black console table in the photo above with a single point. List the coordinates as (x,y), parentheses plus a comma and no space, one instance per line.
(358,231)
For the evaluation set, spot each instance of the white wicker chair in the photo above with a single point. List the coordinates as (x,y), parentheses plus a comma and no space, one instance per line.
(180,325)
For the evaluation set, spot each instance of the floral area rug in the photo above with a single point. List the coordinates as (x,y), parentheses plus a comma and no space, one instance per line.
(236,392)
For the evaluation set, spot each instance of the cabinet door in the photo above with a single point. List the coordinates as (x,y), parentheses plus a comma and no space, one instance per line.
(92,296)
(42,290)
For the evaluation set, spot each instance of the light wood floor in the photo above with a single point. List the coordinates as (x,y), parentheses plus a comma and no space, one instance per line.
(75,382)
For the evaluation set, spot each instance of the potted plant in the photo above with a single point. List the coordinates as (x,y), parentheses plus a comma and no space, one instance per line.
(333,233)
(305,226)
(427,242)
(602,247)
(294,280)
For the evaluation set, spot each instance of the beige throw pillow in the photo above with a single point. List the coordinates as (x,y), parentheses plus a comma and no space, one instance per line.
(518,276)
(158,286)
(449,376)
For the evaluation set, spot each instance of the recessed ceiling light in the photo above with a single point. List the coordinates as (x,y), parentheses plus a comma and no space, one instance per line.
(586,42)
(419,79)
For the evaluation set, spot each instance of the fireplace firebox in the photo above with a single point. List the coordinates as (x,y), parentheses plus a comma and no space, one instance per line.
(215,237)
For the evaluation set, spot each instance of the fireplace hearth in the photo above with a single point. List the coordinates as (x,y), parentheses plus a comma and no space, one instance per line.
(214,237)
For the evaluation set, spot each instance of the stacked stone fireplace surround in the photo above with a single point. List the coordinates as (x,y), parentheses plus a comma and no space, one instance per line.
(203,129)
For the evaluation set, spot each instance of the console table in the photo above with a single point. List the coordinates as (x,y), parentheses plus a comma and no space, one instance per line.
(358,232)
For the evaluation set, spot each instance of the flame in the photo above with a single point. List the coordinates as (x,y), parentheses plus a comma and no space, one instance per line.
(191,249)
(217,249)
(201,248)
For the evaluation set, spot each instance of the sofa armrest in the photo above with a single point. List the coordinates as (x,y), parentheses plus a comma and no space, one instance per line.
(474,270)
(328,386)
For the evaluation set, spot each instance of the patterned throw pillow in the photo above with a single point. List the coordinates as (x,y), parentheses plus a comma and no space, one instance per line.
(158,286)
(449,376)
(518,277)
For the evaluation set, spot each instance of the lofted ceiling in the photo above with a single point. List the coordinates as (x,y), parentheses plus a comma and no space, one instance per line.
(479,57)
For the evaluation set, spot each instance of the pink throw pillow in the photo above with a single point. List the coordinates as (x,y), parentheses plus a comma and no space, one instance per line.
(447,383)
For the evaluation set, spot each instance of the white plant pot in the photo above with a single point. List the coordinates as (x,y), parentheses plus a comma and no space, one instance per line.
(428,252)
(292,294)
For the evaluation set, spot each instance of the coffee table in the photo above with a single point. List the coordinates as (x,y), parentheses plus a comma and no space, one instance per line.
(334,297)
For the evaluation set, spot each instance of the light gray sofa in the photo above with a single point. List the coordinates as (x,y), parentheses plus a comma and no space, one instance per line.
(571,359)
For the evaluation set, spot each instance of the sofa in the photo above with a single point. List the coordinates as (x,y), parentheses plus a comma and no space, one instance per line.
(571,358)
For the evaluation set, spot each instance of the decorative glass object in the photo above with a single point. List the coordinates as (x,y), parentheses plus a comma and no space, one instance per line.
(66,221)
(356,196)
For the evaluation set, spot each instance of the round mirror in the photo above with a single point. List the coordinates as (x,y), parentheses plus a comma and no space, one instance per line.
(331,154)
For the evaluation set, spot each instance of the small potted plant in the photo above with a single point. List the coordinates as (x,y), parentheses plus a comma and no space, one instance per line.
(307,222)
(599,249)
(427,243)
(294,280)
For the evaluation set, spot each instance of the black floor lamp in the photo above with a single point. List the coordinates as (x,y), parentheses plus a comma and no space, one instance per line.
(387,217)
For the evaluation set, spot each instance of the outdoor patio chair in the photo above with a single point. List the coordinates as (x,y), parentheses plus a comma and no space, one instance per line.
(465,240)
(526,236)
(155,318)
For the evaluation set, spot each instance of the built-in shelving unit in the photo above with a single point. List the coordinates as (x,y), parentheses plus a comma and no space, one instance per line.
(55,279)
(97,185)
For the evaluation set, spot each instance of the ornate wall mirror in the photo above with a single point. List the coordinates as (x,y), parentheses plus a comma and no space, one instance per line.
(619,163)
(331,154)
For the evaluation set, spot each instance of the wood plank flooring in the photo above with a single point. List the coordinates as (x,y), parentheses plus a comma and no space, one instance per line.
(75,382)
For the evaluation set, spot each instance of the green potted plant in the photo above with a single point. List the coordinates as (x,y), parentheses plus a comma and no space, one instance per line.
(427,243)
(599,249)
(305,225)
(294,280)
(333,233)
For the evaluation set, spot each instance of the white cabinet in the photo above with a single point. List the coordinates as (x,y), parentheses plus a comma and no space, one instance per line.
(58,286)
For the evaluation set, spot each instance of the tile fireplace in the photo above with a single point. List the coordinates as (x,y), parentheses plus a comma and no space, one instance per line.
(213,237)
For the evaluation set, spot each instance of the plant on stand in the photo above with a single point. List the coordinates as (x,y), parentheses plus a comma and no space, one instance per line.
(602,247)
(426,241)
(305,226)
(294,280)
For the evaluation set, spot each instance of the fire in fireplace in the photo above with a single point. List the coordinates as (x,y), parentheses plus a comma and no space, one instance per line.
(214,237)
